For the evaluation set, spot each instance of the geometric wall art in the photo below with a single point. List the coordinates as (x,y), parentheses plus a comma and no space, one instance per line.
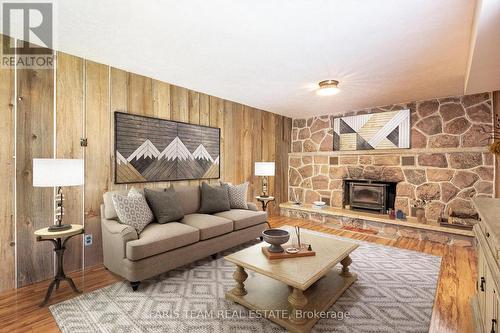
(152,150)
(384,130)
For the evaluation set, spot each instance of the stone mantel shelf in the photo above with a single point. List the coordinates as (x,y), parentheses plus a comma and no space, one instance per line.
(411,151)
(411,222)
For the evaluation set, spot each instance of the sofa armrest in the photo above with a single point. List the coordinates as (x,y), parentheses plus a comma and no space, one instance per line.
(114,241)
(252,206)
(125,232)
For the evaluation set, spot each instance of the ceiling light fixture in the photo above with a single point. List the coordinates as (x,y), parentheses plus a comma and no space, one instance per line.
(328,88)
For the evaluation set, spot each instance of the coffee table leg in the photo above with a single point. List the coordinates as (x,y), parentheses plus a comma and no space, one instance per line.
(298,302)
(239,276)
(345,267)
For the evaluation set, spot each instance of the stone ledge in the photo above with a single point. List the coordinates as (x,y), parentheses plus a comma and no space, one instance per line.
(385,227)
(408,151)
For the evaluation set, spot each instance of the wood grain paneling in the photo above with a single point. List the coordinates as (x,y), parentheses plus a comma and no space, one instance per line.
(217,120)
(7,128)
(194,118)
(119,88)
(97,153)
(161,99)
(140,95)
(204,109)
(35,205)
(179,103)
(69,130)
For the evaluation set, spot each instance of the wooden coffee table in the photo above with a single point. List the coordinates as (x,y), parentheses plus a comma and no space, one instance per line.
(290,291)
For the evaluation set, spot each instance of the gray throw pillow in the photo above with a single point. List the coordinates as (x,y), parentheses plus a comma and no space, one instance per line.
(214,199)
(165,205)
(132,209)
(237,195)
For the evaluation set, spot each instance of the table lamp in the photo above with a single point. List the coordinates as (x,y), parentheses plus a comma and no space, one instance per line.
(264,169)
(51,172)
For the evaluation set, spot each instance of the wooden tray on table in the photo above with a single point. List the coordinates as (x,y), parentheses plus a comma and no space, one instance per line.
(303,252)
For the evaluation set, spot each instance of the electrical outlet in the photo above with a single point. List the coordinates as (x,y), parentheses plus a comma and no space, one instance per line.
(87,240)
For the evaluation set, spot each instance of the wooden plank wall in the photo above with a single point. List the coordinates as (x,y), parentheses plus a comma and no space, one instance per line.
(35,205)
(86,96)
(7,171)
(69,130)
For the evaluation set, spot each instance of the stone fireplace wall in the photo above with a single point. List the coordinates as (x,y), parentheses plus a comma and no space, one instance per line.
(448,162)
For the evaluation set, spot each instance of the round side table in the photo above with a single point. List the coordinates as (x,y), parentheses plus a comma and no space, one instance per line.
(264,201)
(59,239)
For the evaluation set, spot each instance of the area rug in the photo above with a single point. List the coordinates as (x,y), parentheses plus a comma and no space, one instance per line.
(394,293)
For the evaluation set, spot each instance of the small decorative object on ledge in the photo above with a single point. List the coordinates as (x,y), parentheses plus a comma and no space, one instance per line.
(400,215)
(419,206)
(460,222)
(318,204)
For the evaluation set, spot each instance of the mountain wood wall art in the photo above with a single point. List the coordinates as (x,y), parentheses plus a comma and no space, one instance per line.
(384,130)
(152,150)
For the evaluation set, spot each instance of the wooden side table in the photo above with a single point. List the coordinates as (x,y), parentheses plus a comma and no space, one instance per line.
(264,201)
(59,239)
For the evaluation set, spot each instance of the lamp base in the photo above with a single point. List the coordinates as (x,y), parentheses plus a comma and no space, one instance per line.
(56,227)
(264,196)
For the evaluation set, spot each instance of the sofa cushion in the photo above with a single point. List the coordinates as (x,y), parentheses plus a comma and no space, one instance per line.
(189,196)
(165,205)
(214,199)
(209,225)
(244,218)
(133,210)
(109,206)
(158,238)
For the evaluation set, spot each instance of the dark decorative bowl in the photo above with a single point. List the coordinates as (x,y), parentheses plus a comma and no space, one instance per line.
(276,237)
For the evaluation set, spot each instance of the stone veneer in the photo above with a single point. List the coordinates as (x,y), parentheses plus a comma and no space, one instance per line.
(451,165)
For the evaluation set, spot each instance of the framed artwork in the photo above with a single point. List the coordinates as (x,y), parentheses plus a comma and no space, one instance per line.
(153,150)
(384,130)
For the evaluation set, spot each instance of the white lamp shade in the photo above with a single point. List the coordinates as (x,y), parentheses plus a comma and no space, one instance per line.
(51,172)
(264,168)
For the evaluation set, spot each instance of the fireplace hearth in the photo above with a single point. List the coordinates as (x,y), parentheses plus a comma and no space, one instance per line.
(369,195)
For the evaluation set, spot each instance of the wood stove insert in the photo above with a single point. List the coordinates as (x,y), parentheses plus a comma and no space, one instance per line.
(369,195)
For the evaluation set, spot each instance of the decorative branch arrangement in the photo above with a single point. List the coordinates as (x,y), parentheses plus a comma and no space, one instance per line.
(495,146)
(495,136)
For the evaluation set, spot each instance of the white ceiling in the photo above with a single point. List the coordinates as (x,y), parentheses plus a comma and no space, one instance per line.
(271,54)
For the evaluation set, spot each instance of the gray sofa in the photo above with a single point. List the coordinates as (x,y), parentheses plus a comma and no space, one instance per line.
(162,247)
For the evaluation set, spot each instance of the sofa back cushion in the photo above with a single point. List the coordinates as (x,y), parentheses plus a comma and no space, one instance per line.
(189,196)
(165,205)
(109,207)
(214,199)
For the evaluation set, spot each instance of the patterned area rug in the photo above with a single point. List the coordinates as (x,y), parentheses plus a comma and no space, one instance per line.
(394,293)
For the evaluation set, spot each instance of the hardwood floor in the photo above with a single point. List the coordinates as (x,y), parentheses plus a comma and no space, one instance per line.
(19,310)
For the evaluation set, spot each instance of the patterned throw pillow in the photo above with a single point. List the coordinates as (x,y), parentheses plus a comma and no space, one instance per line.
(237,195)
(132,209)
